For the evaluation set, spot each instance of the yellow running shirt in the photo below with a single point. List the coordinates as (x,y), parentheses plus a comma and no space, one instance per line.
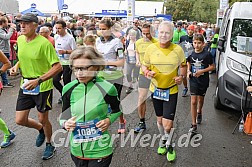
(164,62)
(141,47)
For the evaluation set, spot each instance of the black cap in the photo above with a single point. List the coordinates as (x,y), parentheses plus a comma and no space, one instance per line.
(28,17)
(179,23)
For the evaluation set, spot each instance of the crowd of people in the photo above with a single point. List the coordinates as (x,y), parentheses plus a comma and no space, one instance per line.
(158,55)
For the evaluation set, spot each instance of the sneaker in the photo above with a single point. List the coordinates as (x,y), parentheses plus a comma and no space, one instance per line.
(60,100)
(162,150)
(141,126)
(193,129)
(122,127)
(8,85)
(40,139)
(184,93)
(199,118)
(171,154)
(129,90)
(49,152)
(7,139)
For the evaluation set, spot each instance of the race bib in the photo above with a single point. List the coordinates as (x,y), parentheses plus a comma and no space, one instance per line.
(161,94)
(197,68)
(34,91)
(86,132)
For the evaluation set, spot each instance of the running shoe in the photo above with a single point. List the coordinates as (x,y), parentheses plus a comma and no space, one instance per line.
(193,129)
(8,85)
(7,139)
(171,154)
(199,118)
(48,152)
(122,127)
(129,90)
(140,127)
(162,150)
(184,93)
(40,139)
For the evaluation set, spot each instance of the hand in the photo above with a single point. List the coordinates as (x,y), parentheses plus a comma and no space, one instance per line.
(13,71)
(61,52)
(249,89)
(12,26)
(198,73)
(32,84)
(178,79)
(103,124)
(150,74)
(70,124)
(189,74)
(138,64)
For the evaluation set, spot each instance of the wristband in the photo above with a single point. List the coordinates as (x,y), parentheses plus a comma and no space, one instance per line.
(40,81)
(1,72)
(66,52)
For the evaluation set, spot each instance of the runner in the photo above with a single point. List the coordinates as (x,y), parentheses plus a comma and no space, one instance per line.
(112,50)
(8,134)
(39,63)
(143,82)
(64,45)
(186,42)
(85,103)
(161,62)
(199,64)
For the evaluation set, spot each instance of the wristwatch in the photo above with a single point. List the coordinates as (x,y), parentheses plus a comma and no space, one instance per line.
(1,72)
(40,81)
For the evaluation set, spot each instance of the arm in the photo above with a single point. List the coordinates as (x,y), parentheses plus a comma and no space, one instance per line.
(182,69)
(8,35)
(200,72)
(188,70)
(5,61)
(56,68)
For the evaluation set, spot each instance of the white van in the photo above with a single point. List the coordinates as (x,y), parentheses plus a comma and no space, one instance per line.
(233,58)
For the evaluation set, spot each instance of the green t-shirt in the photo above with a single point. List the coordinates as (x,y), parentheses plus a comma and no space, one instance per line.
(214,45)
(36,58)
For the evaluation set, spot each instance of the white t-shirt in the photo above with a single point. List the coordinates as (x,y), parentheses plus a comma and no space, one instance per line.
(66,42)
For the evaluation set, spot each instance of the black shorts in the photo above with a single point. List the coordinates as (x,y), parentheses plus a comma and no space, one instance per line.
(198,91)
(143,82)
(166,109)
(103,162)
(43,101)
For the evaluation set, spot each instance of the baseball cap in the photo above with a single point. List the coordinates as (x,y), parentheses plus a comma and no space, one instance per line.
(191,27)
(179,23)
(29,17)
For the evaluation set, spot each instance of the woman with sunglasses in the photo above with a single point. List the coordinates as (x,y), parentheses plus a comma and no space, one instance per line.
(85,110)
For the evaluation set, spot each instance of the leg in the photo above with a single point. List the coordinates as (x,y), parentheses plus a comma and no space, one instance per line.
(44,120)
(56,82)
(136,72)
(22,118)
(194,109)
(200,103)
(3,127)
(142,102)
(67,73)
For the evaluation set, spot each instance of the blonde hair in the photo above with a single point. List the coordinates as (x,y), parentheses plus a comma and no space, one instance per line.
(90,53)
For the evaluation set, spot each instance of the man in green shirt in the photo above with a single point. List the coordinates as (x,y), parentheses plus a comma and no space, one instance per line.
(39,63)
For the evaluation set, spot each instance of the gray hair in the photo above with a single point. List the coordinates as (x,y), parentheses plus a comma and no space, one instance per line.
(90,53)
(167,24)
(46,29)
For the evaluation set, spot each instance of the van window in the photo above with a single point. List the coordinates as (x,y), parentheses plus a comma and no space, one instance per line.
(241,27)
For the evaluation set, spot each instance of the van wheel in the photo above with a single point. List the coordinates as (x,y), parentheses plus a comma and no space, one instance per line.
(217,103)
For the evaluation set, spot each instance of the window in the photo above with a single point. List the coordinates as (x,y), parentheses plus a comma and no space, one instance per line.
(241,27)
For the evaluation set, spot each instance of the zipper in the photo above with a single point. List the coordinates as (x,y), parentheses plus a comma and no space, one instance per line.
(85,93)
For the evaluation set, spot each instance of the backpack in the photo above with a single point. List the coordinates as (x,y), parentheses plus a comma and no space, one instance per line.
(248,124)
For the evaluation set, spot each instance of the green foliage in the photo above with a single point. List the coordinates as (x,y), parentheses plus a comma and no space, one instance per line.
(200,10)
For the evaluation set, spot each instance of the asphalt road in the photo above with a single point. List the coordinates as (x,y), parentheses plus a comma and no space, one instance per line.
(214,146)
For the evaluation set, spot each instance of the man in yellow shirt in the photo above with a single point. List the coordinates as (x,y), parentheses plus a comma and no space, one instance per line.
(143,82)
(160,64)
